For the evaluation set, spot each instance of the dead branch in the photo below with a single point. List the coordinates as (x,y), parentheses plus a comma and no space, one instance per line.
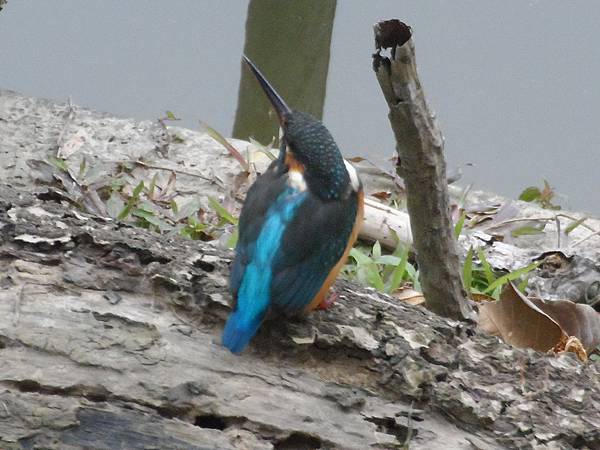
(420,149)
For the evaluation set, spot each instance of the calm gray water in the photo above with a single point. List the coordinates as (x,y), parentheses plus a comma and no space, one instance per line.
(514,83)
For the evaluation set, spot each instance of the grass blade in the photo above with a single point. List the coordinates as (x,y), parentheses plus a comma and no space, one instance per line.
(459,225)
(221,211)
(230,148)
(487,269)
(468,271)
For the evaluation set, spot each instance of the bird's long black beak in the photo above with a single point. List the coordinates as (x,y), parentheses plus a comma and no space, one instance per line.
(281,108)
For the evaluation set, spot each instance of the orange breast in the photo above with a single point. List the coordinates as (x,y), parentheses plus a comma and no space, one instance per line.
(336,269)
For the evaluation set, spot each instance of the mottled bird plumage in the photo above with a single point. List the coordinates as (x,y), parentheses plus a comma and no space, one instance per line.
(296,226)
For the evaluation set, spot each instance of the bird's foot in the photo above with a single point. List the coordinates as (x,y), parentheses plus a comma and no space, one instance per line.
(328,301)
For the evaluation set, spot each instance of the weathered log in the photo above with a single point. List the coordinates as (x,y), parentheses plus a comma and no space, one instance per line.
(423,168)
(109,336)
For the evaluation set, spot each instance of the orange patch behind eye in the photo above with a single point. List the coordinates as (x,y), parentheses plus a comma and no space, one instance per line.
(293,163)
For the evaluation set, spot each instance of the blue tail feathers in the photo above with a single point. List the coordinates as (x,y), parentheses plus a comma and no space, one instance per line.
(254,295)
(239,331)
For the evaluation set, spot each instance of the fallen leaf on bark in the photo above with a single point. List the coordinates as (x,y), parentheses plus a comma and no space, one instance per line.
(575,319)
(571,344)
(410,296)
(558,325)
(519,321)
(383,196)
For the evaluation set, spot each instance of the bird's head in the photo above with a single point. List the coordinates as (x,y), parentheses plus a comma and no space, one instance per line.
(308,148)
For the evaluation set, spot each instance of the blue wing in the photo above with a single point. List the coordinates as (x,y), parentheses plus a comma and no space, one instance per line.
(312,245)
(260,197)
(288,243)
(269,208)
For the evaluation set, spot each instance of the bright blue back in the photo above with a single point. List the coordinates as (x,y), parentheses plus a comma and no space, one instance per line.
(254,294)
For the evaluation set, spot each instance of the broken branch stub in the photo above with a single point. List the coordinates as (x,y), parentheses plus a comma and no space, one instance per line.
(419,146)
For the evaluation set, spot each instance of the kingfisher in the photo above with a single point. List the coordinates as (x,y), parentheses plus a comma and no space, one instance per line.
(298,223)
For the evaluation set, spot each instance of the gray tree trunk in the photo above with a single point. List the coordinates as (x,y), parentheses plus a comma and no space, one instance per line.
(274,30)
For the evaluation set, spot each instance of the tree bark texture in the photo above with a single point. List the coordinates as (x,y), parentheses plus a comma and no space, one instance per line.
(423,168)
(109,338)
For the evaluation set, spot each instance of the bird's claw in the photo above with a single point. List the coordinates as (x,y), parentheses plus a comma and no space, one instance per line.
(328,301)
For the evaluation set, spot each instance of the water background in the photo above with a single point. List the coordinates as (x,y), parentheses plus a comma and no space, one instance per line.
(514,83)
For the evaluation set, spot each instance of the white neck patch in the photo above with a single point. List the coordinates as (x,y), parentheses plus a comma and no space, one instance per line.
(296,180)
(354,180)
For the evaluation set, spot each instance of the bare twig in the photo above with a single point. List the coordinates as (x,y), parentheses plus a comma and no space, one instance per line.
(69,116)
(419,145)
(536,219)
(581,241)
(555,218)
(182,172)
(163,147)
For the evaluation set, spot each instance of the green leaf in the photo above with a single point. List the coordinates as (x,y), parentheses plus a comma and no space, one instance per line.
(131,202)
(468,271)
(174,207)
(459,225)
(189,208)
(376,250)
(523,284)
(574,225)
(374,277)
(170,115)
(125,211)
(82,166)
(359,256)
(114,204)
(413,274)
(221,212)
(527,230)
(496,292)
(117,183)
(144,214)
(152,186)
(530,194)
(194,229)
(233,239)
(59,163)
(487,269)
(387,260)
(138,190)
(399,272)
(511,276)
(151,218)
(417,282)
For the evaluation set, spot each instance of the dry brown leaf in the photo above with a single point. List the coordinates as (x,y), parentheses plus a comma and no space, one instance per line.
(575,319)
(558,325)
(572,344)
(383,196)
(481,298)
(410,296)
(356,159)
(519,321)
